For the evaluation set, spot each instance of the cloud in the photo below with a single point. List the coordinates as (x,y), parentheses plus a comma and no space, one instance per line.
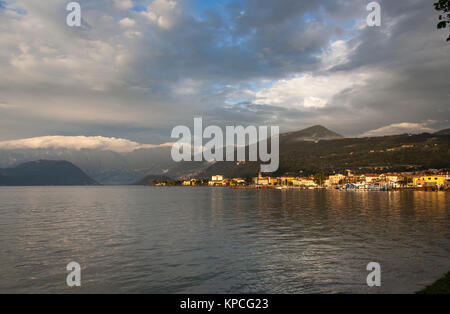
(127,22)
(289,63)
(6,106)
(123,4)
(162,12)
(400,128)
(77,143)
(310,91)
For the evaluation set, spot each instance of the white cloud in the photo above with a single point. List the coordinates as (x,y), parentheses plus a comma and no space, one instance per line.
(400,128)
(78,142)
(162,12)
(127,22)
(309,91)
(316,90)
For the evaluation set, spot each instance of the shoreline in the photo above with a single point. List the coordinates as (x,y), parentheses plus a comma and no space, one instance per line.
(285,188)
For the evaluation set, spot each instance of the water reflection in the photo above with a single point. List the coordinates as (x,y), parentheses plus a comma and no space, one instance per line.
(217,240)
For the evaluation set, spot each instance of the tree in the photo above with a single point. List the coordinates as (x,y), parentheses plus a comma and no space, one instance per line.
(319,179)
(444,6)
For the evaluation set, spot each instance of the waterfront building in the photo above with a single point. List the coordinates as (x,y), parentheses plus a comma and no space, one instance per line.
(336,179)
(218,180)
(394,179)
(304,182)
(265,181)
(368,178)
(429,181)
(286,181)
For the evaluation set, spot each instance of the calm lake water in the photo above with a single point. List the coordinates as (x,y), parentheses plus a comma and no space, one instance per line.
(218,240)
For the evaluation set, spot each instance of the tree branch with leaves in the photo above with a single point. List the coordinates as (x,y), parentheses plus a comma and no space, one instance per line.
(444,18)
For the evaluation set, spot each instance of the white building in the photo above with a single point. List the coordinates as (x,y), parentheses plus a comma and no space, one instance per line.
(217,178)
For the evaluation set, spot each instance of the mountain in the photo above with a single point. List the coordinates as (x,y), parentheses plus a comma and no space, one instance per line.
(44,173)
(312,149)
(207,169)
(373,154)
(314,134)
(104,166)
(4,180)
(443,132)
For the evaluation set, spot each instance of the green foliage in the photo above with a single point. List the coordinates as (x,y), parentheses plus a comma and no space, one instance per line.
(442,286)
(366,155)
(319,179)
(444,19)
(361,155)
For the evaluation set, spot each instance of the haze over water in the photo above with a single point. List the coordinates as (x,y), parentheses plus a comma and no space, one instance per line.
(219,240)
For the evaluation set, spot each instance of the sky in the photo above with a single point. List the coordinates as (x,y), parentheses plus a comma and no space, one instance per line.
(135,69)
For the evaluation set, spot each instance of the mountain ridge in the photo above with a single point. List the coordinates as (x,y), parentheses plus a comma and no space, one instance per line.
(443,132)
(313,133)
(45,173)
(110,167)
(372,154)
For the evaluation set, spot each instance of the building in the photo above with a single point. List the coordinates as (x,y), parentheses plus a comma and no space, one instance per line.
(217,180)
(304,182)
(368,178)
(393,179)
(238,181)
(336,179)
(286,181)
(192,182)
(264,181)
(430,181)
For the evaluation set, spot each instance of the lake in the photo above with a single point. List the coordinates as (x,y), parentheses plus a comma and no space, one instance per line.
(131,239)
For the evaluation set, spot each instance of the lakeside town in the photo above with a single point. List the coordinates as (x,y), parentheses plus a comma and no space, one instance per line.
(431,180)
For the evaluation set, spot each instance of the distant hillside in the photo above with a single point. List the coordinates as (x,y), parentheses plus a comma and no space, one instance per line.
(148,179)
(204,169)
(299,152)
(443,132)
(374,154)
(45,173)
(314,133)
(4,180)
(104,166)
